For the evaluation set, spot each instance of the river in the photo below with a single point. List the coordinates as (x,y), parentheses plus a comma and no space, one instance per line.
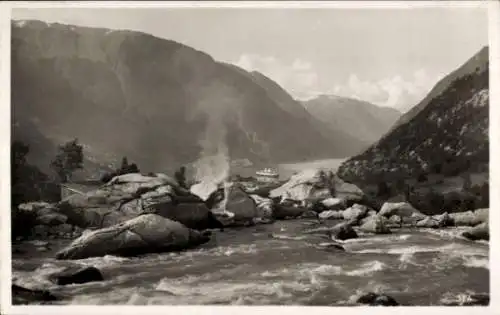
(276,264)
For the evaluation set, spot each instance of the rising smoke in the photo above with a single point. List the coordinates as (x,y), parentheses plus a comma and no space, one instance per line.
(219,105)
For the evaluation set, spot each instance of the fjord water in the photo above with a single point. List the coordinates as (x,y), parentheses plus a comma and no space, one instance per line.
(276,264)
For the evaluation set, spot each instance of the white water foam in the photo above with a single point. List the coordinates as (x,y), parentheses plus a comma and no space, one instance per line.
(103,262)
(380,239)
(38,278)
(453,247)
(476,262)
(368,268)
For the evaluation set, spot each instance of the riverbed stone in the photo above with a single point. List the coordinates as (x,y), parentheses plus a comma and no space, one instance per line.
(144,234)
(376,299)
(342,231)
(334,203)
(375,224)
(428,222)
(479,232)
(24,296)
(402,209)
(355,212)
(331,215)
(77,275)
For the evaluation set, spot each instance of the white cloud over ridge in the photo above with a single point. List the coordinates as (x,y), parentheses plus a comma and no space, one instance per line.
(298,77)
(302,81)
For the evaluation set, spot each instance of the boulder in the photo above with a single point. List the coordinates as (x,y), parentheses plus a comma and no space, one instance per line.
(308,185)
(342,231)
(148,233)
(128,196)
(265,206)
(428,222)
(309,215)
(395,220)
(356,212)
(78,275)
(375,224)
(479,232)
(35,206)
(402,209)
(443,219)
(482,215)
(52,219)
(334,203)
(282,211)
(374,299)
(22,296)
(470,218)
(193,215)
(239,203)
(331,215)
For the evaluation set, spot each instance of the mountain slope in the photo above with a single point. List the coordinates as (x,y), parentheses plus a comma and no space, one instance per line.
(335,133)
(476,63)
(158,102)
(362,120)
(448,136)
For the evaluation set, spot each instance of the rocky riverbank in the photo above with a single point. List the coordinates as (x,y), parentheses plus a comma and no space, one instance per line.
(136,215)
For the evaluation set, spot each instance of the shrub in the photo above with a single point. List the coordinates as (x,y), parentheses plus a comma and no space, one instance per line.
(68,160)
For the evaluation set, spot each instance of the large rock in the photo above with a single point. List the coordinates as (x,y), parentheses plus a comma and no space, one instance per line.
(313,185)
(238,203)
(147,233)
(265,206)
(331,215)
(127,196)
(482,215)
(22,295)
(35,206)
(356,212)
(52,219)
(402,209)
(193,215)
(479,232)
(428,222)
(375,224)
(285,211)
(470,218)
(375,299)
(342,231)
(334,203)
(444,219)
(78,275)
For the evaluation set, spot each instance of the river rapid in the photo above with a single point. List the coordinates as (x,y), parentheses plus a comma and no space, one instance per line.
(277,264)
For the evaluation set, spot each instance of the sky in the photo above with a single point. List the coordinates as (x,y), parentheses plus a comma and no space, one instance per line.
(390,57)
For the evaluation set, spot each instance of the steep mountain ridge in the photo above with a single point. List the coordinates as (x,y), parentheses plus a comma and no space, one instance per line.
(448,136)
(159,102)
(475,63)
(362,120)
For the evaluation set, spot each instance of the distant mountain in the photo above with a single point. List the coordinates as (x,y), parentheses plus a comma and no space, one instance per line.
(335,133)
(446,134)
(158,102)
(361,120)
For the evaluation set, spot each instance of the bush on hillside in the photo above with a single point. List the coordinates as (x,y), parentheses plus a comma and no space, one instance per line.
(125,168)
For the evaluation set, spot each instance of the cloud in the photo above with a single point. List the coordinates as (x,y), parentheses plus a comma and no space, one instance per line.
(301,80)
(396,91)
(298,77)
